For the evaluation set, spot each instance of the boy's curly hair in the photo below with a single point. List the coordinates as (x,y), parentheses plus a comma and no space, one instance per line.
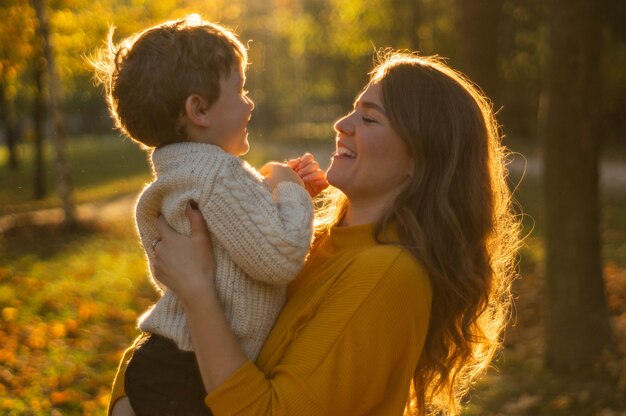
(148,76)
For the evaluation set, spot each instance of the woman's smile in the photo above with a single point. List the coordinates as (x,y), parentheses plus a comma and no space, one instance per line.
(344,152)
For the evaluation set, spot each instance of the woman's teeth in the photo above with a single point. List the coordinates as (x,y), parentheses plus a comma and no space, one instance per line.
(342,151)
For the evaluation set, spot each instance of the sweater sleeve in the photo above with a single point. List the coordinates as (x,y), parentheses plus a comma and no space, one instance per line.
(356,355)
(267,234)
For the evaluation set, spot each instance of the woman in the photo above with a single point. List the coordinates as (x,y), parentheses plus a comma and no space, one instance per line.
(408,279)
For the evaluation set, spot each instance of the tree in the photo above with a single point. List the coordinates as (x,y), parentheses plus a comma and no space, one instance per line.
(578,328)
(479,24)
(39,122)
(11,126)
(15,48)
(62,167)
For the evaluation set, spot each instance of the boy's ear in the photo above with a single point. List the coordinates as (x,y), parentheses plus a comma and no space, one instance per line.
(196,110)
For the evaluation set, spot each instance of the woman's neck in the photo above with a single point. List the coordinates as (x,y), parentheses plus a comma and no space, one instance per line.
(362,213)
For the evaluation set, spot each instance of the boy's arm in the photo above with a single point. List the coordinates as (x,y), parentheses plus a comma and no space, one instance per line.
(267,233)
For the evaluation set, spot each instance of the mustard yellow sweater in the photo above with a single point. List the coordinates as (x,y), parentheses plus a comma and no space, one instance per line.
(346,342)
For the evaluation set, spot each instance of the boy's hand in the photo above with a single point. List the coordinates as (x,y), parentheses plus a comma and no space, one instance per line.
(309,170)
(276,173)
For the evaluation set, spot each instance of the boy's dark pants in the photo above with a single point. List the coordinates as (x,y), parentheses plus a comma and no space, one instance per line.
(162,380)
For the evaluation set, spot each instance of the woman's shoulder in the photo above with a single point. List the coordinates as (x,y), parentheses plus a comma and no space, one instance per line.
(389,264)
(386,275)
(390,255)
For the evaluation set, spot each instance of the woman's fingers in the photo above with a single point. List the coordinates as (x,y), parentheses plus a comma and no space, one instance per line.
(163,227)
(294,163)
(309,168)
(183,263)
(316,185)
(306,159)
(199,227)
(314,176)
(317,176)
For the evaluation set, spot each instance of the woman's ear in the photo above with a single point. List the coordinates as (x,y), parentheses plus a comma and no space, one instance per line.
(197,111)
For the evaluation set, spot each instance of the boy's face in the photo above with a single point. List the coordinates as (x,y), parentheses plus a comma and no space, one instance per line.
(230,114)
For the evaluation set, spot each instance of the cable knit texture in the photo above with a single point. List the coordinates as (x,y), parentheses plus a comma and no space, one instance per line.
(260,237)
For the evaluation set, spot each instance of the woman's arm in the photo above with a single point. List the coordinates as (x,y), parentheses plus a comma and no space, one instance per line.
(217,350)
(355,354)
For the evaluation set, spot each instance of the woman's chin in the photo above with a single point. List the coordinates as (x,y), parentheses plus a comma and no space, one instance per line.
(336,181)
(333,178)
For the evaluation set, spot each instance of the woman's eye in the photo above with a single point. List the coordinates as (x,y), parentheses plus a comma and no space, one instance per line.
(368,119)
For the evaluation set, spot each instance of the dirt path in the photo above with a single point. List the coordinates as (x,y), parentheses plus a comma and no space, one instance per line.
(101,211)
(612,173)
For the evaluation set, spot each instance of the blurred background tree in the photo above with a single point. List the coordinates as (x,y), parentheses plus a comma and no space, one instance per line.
(55,92)
(309,58)
(15,50)
(572,136)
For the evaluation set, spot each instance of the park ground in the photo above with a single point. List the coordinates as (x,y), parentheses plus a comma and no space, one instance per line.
(69,299)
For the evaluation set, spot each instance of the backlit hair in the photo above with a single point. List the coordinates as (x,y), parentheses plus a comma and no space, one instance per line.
(455,216)
(148,76)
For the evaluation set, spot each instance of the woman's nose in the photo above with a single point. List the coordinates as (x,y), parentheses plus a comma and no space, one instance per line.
(344,125)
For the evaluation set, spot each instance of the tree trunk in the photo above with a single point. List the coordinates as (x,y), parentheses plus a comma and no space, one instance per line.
(407,15)
(479,24)
(56,102)
(415,20)
(578,328)
(11,127)
(39,120)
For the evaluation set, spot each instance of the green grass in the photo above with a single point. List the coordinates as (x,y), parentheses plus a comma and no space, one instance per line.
(101,167)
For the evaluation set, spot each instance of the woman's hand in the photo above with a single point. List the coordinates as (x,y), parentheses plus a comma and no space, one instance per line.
(185,264)
(309,171)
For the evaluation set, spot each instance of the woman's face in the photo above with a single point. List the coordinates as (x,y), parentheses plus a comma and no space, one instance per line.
(371,162)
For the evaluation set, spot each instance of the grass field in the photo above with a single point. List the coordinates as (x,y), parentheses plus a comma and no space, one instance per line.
(69,299)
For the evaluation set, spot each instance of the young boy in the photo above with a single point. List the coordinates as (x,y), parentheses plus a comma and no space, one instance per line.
(178,89)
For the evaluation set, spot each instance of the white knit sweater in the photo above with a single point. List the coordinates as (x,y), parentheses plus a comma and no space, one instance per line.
(260,237)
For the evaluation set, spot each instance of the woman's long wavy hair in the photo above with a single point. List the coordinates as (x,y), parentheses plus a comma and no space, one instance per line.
(455,216)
